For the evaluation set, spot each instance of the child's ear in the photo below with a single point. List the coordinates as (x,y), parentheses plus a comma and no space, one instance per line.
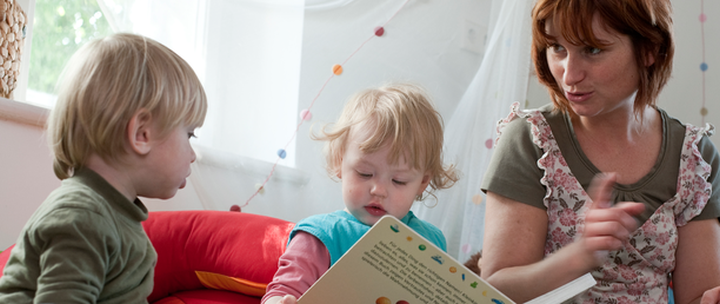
(338,169)
(424,183)
(139,132)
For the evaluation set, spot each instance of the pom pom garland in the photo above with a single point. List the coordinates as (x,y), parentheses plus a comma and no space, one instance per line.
(337,69)
(379,31)
(305,115)
(259,188)
(703,65)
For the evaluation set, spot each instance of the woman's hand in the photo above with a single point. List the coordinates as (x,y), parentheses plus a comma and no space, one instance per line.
(712,296)
(607,227)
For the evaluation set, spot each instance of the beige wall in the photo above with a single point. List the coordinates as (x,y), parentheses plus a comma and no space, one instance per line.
(26,176)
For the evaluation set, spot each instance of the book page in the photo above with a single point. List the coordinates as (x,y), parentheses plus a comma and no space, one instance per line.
(392,264)
(566,291)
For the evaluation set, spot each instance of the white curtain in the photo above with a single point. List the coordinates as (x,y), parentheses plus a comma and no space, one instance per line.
(181,27)
(501,80)
(230,42)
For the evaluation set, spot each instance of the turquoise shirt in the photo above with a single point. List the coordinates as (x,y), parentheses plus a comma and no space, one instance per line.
(339,231)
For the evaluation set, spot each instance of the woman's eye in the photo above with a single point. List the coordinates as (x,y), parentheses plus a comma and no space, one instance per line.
(556,48)
(593,50)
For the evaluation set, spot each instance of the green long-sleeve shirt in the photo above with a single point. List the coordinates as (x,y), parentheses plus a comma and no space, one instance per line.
(84,244)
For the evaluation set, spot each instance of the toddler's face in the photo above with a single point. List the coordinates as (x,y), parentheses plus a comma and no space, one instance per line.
(171,159)
(372,187)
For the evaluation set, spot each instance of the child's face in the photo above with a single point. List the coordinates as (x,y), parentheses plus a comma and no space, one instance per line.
(372,187)
(170,159)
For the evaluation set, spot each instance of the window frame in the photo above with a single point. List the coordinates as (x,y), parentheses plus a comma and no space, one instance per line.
(22,112)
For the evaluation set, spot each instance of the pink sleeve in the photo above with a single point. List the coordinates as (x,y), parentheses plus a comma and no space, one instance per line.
(304,261)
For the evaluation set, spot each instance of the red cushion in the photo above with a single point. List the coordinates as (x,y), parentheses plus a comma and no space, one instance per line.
(207,296)
(4,256)
(239,245)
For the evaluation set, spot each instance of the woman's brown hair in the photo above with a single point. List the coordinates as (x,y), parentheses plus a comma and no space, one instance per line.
(648,24)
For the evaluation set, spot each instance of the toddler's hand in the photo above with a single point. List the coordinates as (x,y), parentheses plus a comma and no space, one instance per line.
(288,299)
(607,226)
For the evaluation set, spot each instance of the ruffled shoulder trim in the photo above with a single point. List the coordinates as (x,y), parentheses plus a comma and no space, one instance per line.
(534,117)
(542,137)
(693,187)
(709,129)
(514,113)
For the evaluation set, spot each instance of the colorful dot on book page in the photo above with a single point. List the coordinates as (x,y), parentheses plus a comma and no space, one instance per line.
(453,269)
(489,143)
(703,18)
(484,293)
(383,300)
(235,208)
(409,239)
(402,302)
(704,67)
(281,153)
(422,247)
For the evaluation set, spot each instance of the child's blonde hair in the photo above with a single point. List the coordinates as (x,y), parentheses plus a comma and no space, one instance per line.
(108,81)
(402,115)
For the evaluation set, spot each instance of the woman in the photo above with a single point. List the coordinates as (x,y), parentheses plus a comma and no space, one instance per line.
(604,63)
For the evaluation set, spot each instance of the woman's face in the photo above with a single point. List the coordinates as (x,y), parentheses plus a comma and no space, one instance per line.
(595,81)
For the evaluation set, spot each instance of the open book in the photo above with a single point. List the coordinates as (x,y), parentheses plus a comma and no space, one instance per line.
(392,264)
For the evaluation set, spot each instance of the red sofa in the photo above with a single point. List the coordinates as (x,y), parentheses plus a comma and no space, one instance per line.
(211,257)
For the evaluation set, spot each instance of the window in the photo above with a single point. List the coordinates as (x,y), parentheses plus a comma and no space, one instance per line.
(59,28)
(242,51)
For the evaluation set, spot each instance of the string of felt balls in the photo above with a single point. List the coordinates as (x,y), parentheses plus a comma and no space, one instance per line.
(703,64)
(306,115)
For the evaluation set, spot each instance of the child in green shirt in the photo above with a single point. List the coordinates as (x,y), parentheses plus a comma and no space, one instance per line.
(126,109)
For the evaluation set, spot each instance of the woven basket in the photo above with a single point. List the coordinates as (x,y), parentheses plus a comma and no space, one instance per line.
(12,39)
